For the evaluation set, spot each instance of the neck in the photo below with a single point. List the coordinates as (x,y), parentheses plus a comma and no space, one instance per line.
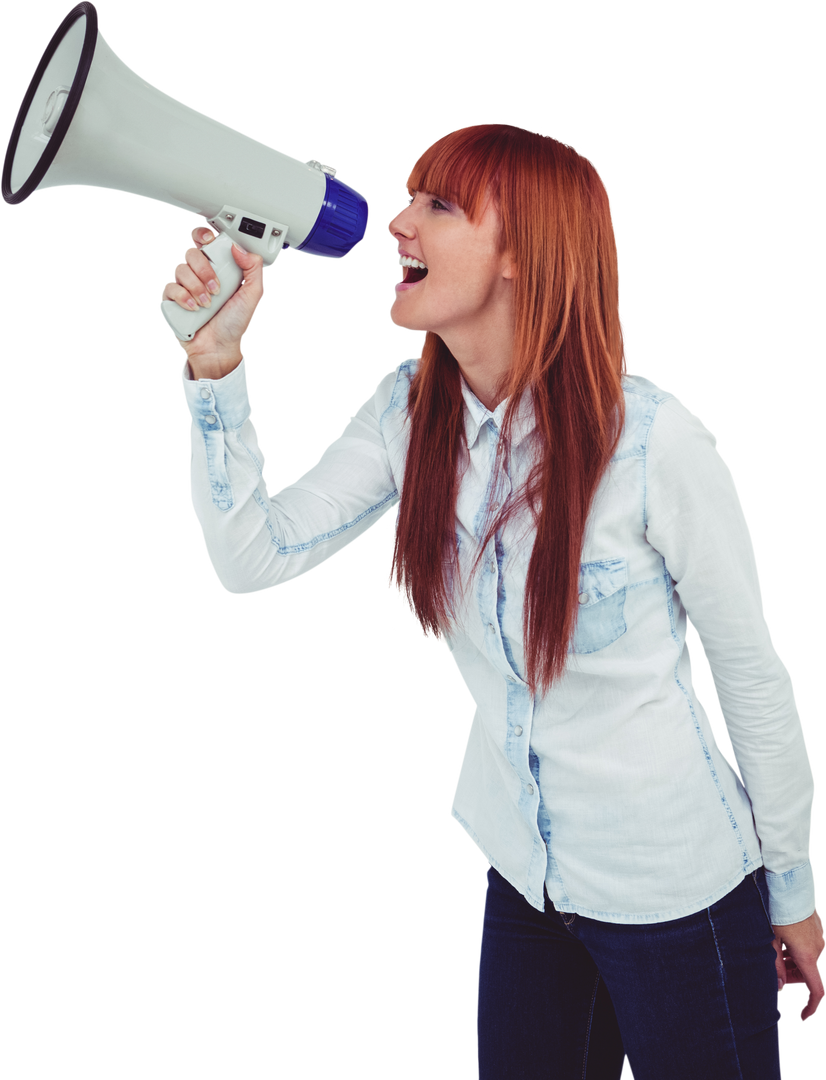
(485,379)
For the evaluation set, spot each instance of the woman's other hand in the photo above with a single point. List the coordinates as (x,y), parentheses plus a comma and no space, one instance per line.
(803,943)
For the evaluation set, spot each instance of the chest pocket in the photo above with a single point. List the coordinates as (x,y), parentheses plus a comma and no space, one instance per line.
(601,615)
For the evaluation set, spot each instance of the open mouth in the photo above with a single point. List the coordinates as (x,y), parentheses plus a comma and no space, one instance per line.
(412,274)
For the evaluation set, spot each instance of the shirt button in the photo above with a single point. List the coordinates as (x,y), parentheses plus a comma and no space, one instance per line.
(517,731)
(584,598)
(210,419)
(492,566)
(492,628)
(204,393)
(495,507)
(530,789)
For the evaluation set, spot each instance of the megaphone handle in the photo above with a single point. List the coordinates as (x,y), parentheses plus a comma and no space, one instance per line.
(186,324)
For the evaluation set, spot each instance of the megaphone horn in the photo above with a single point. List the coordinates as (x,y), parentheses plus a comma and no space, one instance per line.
(88,119)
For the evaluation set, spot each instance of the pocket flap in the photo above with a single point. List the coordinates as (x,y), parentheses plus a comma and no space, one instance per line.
(598,580)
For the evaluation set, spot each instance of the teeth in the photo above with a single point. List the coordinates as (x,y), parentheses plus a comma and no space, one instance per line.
(406,260)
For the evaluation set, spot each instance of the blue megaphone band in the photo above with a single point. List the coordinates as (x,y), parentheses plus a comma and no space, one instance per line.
(340,223)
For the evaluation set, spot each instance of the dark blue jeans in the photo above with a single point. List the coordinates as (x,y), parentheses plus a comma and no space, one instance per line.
(562,997)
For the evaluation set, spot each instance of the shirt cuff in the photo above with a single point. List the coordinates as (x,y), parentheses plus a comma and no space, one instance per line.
(217,404)
(791,895)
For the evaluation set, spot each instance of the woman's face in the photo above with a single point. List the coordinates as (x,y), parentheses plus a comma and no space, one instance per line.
(467,279)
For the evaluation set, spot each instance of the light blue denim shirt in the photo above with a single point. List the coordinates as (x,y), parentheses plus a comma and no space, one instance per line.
(609,790)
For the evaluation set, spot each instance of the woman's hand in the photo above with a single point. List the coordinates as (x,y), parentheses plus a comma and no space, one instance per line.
(216,348)
(804,944)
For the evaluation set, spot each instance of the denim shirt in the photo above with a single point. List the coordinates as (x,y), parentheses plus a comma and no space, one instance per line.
(608,791)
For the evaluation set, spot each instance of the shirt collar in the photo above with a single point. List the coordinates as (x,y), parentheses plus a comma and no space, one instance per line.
(477,415)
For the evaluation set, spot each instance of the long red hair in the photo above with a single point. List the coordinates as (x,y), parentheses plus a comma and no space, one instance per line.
(568,352)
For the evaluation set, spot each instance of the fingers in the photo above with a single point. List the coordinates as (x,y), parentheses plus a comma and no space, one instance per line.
(201,235)
(195,280)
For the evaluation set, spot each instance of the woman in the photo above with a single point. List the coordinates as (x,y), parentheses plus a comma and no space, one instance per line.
(557,521)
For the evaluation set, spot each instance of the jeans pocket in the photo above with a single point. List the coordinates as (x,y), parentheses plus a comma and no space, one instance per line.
(601,615)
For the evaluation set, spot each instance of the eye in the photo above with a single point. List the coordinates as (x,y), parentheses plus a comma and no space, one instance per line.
(435,204)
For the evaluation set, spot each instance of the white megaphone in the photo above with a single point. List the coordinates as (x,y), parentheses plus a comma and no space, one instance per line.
(87,119)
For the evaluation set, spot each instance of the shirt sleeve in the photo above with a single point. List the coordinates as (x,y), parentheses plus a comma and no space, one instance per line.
(256,540)
(694,520)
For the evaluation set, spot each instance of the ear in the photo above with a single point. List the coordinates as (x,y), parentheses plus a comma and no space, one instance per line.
(508,266)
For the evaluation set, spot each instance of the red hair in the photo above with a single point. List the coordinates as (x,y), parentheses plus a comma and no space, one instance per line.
(568,352)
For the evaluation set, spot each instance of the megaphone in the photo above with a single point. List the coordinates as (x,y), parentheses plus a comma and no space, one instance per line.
(88,119)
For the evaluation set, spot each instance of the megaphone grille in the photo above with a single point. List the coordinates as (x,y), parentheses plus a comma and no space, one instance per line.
(51,144)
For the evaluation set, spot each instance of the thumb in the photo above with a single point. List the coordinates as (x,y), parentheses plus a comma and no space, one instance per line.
(780,963)
(248,263)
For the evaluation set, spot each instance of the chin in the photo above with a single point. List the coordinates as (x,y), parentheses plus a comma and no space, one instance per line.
(394,321)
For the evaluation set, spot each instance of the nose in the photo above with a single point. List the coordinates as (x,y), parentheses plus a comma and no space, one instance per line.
(402,225)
